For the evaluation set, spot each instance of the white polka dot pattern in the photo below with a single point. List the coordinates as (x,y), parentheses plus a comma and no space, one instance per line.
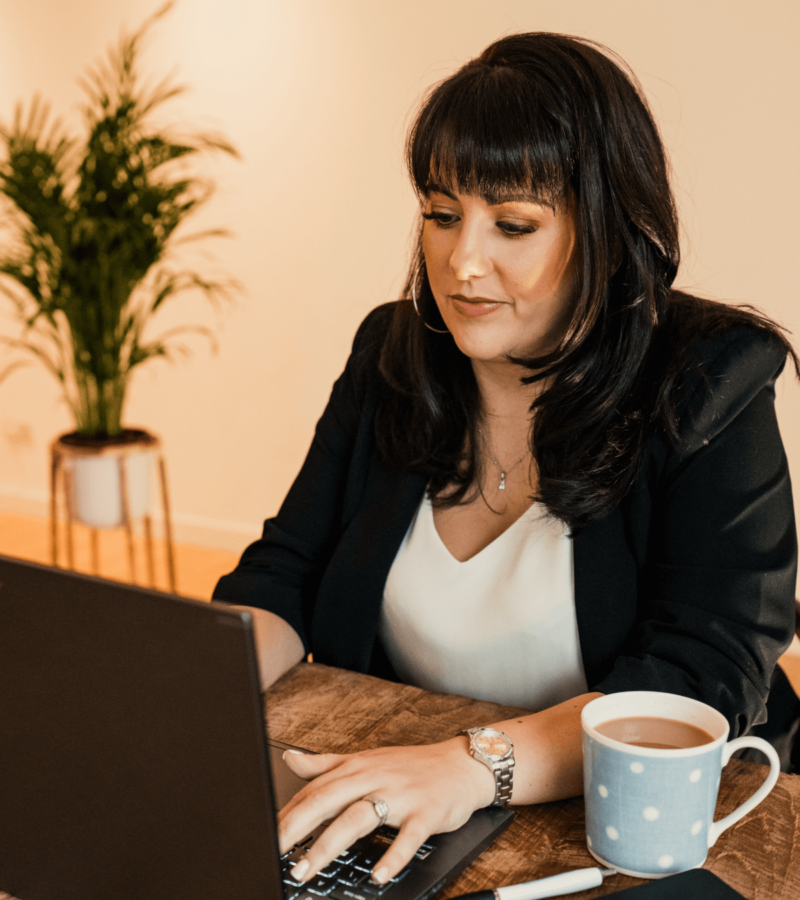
(648,810)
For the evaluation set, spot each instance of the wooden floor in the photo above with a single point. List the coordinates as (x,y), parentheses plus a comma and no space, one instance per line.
(197,568)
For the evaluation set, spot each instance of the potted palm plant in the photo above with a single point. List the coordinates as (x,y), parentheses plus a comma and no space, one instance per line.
(89,260)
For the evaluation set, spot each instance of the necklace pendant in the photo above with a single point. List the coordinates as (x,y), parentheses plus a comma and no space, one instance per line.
(502,481)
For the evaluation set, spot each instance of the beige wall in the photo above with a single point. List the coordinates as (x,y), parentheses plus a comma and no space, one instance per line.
(316,95)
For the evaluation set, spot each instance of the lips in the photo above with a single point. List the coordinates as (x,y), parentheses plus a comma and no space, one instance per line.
(474,307)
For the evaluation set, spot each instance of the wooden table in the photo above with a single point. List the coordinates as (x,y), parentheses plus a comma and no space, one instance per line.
(331,710)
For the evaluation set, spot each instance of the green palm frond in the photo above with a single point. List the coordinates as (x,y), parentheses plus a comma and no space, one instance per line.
(90,229)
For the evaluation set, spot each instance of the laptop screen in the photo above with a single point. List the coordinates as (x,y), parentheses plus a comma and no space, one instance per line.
(132,744)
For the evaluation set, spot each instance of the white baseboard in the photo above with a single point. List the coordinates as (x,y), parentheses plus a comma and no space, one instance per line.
(201,531)
(24,501)
(216,534)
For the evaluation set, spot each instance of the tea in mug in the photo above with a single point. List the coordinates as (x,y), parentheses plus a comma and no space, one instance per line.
(654,731)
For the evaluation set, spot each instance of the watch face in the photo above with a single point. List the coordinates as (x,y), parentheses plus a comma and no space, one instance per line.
(493,744)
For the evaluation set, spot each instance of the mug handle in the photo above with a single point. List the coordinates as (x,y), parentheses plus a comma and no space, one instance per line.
(731,747)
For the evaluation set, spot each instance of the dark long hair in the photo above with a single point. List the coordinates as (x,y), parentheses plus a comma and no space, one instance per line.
(561,119)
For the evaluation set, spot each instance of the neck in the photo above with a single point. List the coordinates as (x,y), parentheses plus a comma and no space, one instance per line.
(502,394)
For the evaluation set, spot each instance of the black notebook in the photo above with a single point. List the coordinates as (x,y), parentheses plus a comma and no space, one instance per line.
(698,884)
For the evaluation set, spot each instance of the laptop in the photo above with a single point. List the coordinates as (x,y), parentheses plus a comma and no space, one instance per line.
(134,760)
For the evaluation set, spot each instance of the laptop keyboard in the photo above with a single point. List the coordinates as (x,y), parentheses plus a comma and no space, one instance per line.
(348,877)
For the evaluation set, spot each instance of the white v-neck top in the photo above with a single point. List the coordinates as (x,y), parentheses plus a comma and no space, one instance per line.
(500,626)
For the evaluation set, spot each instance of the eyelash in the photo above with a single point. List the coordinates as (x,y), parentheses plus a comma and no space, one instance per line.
(509,229)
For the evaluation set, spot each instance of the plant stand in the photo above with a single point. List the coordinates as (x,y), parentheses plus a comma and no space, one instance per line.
(70,457)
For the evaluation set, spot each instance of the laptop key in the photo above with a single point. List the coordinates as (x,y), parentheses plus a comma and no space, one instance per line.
(320,887)
(373,889)
(424,851)
(351,876)
(366,862)
(342,892)
(331,870)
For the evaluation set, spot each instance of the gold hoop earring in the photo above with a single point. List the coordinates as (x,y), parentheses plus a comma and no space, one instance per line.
(416,309)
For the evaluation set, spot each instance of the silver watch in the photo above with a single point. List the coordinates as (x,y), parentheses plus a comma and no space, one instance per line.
(494,749)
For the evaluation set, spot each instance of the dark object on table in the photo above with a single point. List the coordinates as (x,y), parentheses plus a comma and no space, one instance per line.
(697,884)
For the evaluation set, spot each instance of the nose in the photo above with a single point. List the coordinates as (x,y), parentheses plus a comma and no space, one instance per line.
(469,258)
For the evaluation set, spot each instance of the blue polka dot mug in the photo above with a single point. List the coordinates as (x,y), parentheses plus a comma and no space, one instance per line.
(649,810)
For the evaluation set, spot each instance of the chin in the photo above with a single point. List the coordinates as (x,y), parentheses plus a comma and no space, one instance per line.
(480,350)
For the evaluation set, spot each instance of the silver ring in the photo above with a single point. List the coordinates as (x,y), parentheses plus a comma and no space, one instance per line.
(381,808)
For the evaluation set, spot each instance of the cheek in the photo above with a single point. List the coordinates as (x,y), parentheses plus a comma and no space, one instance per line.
(434,250)
(549,272)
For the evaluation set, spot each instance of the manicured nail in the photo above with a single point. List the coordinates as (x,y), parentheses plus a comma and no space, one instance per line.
(381,875)
(293,752)
(300,870)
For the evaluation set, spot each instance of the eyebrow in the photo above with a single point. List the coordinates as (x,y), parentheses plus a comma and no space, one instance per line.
(492,199)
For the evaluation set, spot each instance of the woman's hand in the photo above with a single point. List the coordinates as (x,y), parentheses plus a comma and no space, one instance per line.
(428,789)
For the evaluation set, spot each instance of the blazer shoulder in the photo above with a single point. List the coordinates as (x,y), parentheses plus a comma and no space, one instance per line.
(730,369)
(372,331)
(362,364)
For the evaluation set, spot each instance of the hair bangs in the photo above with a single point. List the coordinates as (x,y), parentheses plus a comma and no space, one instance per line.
(485,132)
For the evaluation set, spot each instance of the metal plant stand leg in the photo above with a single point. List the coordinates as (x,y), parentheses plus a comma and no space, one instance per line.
(95,543)
(148,544)
(126,518)
(162,471)
(55,464)
(66,475)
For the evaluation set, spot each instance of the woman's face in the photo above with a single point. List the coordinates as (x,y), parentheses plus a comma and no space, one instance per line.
(502,273)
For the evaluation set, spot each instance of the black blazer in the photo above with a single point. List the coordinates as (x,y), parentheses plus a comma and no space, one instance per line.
(686,587)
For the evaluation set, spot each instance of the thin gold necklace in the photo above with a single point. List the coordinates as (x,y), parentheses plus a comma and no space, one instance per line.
(503,472)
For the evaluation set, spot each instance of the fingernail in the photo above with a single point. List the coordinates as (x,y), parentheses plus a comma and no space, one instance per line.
(294,752)
(381,875)
(300,870)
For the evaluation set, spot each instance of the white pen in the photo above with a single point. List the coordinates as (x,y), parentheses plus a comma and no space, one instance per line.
(554,886)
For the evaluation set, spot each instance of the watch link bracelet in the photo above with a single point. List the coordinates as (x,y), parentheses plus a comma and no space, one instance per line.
(494,749)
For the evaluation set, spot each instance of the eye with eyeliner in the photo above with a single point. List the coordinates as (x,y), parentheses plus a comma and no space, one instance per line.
(512,229)
(447,220)
(442,219)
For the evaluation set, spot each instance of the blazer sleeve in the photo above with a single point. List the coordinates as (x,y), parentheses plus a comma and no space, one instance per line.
(716,591)
(282,570)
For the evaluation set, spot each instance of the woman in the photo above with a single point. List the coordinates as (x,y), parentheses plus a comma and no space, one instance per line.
(545,476)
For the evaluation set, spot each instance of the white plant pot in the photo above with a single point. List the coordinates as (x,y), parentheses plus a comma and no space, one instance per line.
(95,495)
(97,488)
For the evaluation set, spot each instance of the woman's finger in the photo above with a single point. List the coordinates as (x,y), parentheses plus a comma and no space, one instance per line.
(321,800)
(354,822)
(426,785)
(316,768)
(411,836)
(310,765)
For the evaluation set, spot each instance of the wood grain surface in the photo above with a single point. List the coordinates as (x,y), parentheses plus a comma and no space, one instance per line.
(331,710)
